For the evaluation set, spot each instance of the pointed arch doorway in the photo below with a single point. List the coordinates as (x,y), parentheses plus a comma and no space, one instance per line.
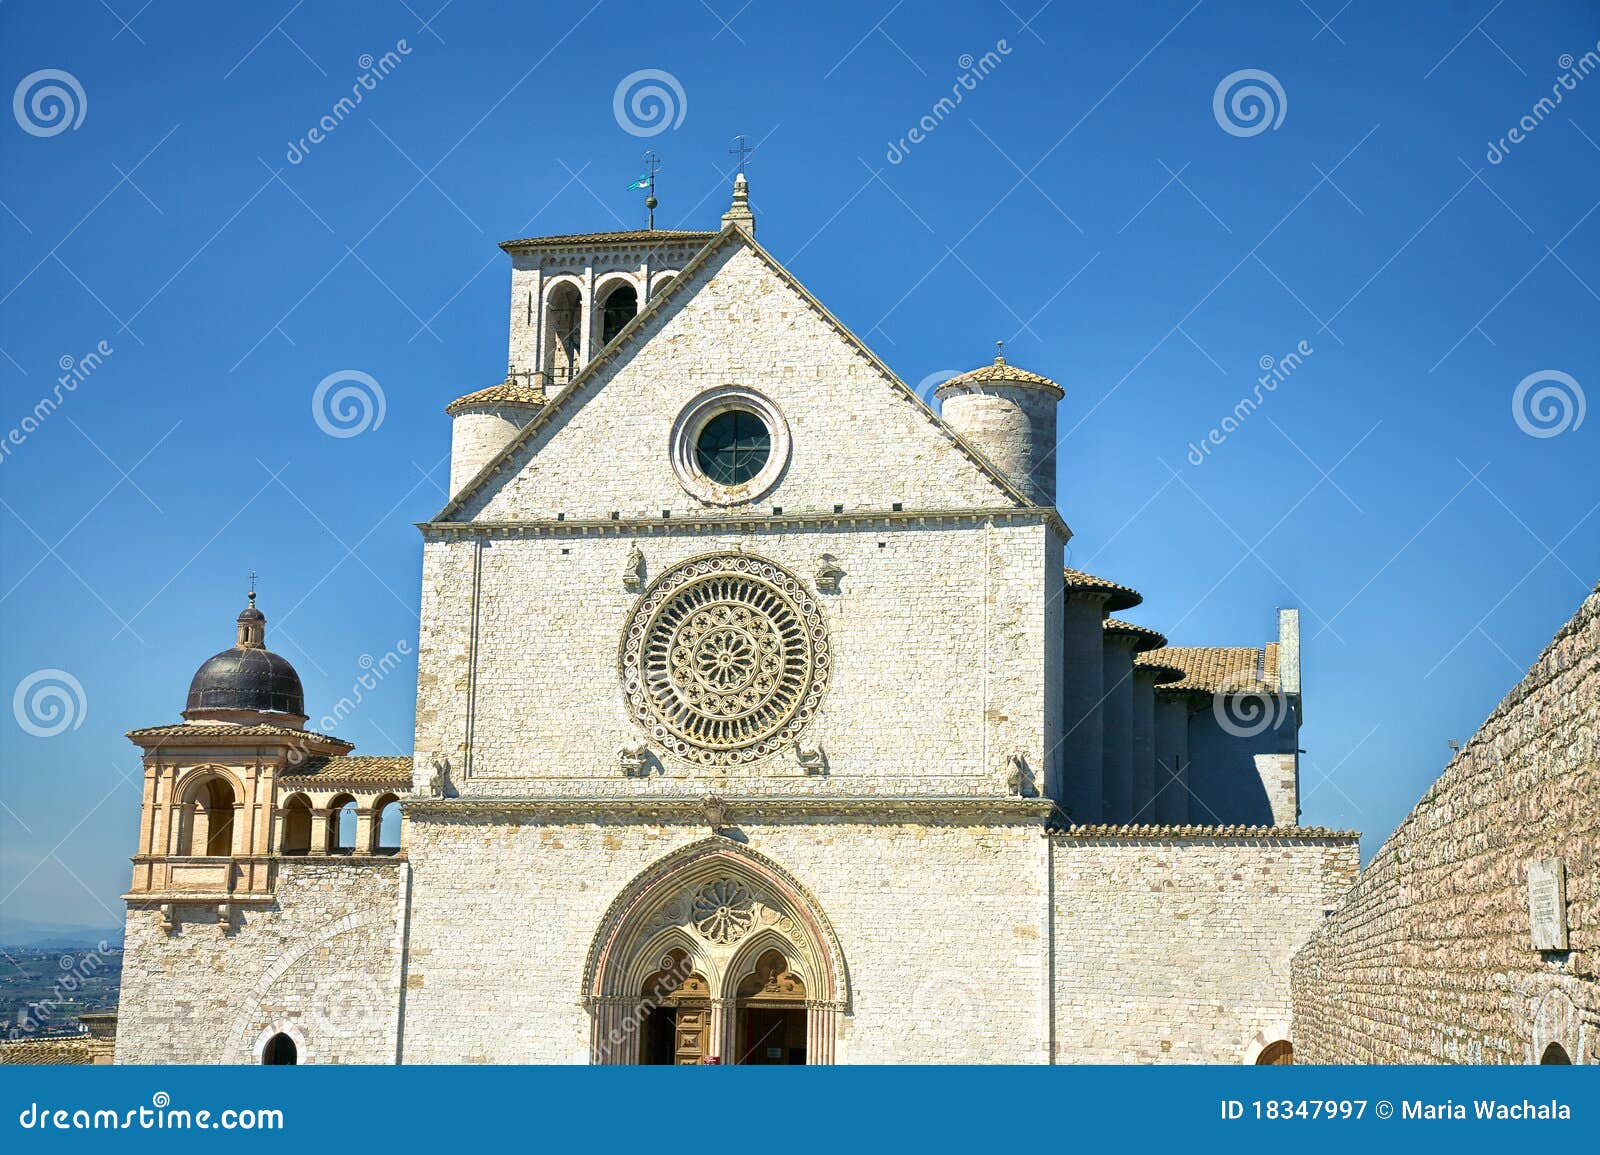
(714,955)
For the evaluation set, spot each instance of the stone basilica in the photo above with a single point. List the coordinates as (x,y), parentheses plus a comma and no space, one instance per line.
(757,721)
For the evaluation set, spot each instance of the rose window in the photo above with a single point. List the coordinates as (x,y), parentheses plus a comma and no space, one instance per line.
(723,910)
(725,659)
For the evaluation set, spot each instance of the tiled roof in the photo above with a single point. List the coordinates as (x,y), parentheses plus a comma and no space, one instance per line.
(223,730)
(1208,669)
(62,1050)
(1193,831)
(623,237)
(1117,597)
(1146,639)
(1000,371)
(505,393)
(360,769)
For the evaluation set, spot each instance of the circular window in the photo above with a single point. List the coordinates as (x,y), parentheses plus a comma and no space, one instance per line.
(733,447)
(729,445)
(725,659)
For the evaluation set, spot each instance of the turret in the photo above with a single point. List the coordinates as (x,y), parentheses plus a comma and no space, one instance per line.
(483,423)
(1009,415)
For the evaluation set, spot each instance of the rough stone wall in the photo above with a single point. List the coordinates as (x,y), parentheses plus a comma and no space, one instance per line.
(1177,949)
(1429,959)
(552,611)
(477,434)
(857,441)
(322,963)
(943,930)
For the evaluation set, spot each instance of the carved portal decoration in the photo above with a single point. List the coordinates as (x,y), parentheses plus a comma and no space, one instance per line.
(725,660)
(724,911)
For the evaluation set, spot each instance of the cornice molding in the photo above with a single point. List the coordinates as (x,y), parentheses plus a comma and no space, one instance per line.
(698,522)
(735,810)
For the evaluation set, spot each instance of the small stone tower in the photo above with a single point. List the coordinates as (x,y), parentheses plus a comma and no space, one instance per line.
(1009,415)
(483,423)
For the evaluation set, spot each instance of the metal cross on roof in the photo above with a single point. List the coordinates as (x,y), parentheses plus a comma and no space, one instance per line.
(741,150)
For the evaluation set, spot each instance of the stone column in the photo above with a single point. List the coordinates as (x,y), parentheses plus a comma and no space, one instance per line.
(722,1028)
(363,830)
(1172,757)
(1143,776)
(1081,724)
(1116,782)
(320,841)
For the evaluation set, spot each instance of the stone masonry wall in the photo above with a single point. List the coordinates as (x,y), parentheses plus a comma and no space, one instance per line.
(1177,949)
(1429,959)
(322,964)
(943,930)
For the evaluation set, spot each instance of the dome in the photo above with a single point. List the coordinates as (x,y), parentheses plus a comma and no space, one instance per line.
(246,679)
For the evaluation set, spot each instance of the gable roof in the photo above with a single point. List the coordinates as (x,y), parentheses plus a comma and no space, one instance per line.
(620,237)
(731,234)
(1210,669)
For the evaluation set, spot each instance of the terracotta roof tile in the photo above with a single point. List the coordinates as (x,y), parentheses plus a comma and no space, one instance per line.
(1209,669)
(1118,597)
(621,237)
(1000,371)
(360,769)
(61,1050)
(223,730)
(505,393)
(1194,831)
(1146,638)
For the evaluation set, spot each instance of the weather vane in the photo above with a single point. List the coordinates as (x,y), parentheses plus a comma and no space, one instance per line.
(647,181)
(741,150)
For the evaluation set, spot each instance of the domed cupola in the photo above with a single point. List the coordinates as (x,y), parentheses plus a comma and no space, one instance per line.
(1009,415)
(249,683)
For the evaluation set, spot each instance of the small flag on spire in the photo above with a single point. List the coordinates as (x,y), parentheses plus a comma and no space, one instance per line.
(642,182)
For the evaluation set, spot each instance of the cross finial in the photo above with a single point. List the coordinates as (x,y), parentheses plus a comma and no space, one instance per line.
(999,352)
(652,163)
(741,150)
(252,585)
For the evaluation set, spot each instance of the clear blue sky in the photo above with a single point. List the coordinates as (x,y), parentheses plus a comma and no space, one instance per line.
(1083,202)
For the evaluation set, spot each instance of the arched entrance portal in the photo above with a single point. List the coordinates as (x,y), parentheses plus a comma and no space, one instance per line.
(1278,1054)
(1555,1055)
(714,955)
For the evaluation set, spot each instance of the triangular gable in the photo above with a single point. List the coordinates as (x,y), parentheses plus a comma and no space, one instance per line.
(634,341)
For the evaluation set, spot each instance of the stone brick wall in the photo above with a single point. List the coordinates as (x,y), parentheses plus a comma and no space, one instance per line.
(322,964)
(1176,947)
(943,931)
(1429,959)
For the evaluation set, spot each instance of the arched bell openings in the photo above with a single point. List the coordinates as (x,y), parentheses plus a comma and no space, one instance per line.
(295,826)
(563,330)
(616,303)
(206,816)
(386,825)
(715,954)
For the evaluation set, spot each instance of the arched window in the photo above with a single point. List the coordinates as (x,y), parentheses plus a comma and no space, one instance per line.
(1278,1054)
(207,821)
(280,1051)
(1555,1055)
(295,837)
(563,327)
(771,1011)
(342,822)
(386,825)
(621,306)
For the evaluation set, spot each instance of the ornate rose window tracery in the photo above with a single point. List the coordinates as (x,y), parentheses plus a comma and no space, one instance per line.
(725,659)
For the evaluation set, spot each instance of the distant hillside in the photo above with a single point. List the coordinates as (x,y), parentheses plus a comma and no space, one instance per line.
(23,932)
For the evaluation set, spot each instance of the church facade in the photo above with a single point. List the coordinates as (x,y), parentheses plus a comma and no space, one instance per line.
(758,721)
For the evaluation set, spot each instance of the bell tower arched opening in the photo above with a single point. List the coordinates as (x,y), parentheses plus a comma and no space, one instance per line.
(563,348)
